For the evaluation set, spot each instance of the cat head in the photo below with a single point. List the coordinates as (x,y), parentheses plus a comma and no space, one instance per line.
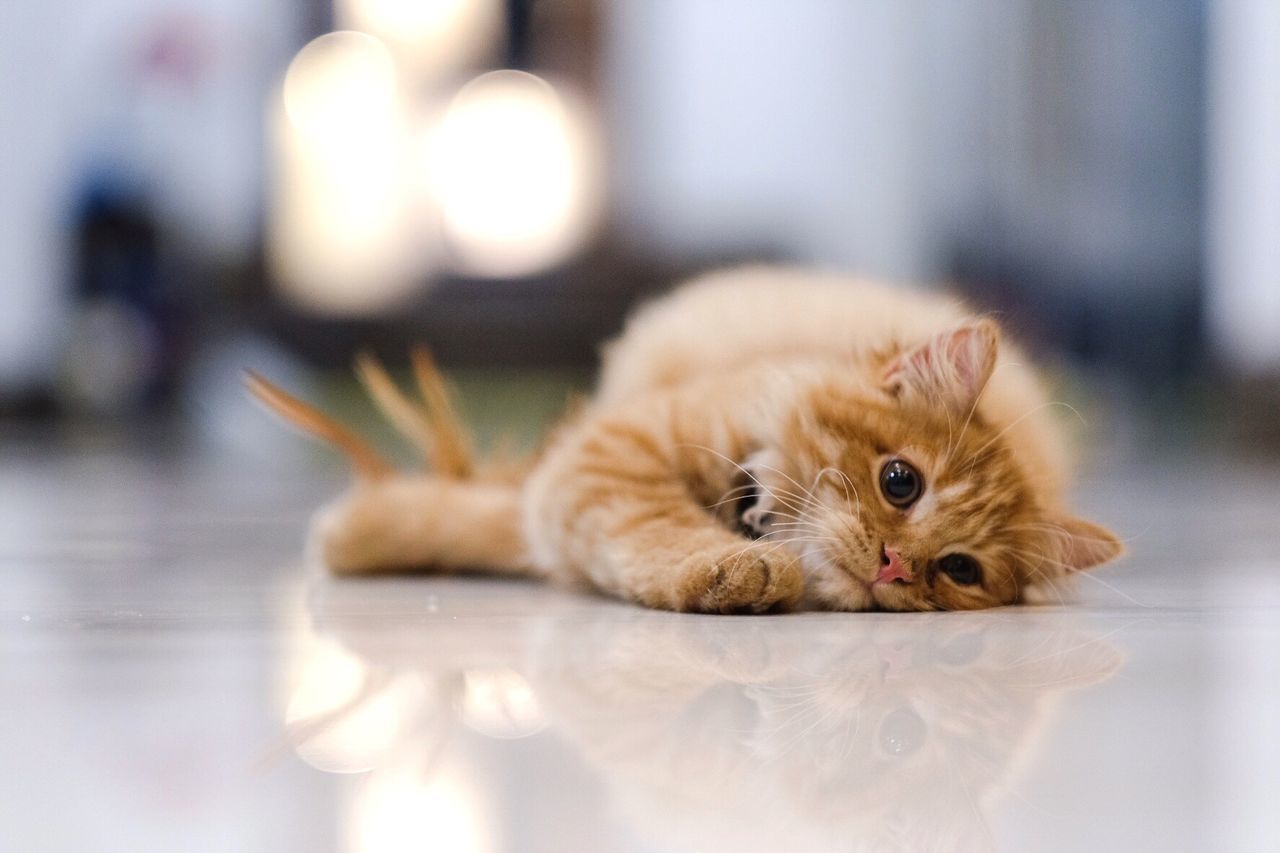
(899,494)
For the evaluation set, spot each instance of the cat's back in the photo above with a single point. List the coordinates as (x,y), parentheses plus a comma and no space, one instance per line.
(733,319)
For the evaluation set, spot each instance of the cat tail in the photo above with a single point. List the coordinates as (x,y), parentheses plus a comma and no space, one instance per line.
(431,426)
(459,515)
(365,461)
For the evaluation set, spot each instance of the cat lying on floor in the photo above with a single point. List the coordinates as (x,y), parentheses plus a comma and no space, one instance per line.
(761,440)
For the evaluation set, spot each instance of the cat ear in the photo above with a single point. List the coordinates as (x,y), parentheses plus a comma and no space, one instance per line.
(952,367)
(1083,544)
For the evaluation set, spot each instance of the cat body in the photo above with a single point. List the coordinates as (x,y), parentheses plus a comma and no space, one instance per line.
(761,439)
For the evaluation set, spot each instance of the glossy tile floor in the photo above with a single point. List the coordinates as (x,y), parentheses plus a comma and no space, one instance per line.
(172,677)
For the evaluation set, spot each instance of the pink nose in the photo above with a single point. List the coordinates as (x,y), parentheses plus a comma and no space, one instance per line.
(891,568)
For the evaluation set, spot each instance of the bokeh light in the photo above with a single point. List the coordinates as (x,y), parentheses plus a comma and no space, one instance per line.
(515,168)
(336,80)
(404,810)
(500,703)
(429,37)
(341,230)
(340,720)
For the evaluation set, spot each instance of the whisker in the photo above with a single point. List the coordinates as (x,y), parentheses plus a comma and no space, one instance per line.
(973,459)
(848,485)
(812,498)
(761,542)
(772,492)
(805,524)
(974,408)
(1058,528)
(730,496)
(1070,571)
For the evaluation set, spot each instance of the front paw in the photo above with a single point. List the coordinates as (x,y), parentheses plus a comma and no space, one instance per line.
(746,579)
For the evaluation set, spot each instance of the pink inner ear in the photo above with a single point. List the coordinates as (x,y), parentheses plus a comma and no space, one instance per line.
(1084,544)
(952,365)
(965,354)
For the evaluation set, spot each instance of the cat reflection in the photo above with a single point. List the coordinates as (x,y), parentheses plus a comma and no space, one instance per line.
(864,734)
(825,732)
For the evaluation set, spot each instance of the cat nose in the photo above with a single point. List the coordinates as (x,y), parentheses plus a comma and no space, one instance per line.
(892,567)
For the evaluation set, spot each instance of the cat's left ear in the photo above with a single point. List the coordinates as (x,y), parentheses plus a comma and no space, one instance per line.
(952,367)
(1083,544)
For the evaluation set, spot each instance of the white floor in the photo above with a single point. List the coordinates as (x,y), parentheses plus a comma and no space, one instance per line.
(171,678)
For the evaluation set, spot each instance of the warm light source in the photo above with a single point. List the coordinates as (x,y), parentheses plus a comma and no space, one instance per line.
(336,79)
(429,37)
(514,166)
(341,230)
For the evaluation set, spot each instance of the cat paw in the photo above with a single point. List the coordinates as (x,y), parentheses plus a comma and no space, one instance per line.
(743,581)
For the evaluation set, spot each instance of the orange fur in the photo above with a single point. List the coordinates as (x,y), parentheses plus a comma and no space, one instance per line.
(364,459)
(761,399)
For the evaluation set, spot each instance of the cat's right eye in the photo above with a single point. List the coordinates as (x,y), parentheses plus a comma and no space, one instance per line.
(900,483)
(902,731)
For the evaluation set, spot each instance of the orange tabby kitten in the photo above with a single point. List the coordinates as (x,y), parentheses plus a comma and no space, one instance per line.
(761,440)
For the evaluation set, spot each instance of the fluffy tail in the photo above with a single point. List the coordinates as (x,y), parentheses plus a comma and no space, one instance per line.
(458,514)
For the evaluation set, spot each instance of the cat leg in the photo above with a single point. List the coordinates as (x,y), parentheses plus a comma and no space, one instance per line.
(610,506)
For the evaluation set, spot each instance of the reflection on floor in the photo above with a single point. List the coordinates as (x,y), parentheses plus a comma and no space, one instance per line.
(175,678)
(705,732)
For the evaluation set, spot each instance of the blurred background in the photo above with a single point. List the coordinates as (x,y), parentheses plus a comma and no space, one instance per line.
(191,187)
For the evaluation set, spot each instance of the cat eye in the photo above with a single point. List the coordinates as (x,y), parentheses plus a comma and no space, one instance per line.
(900,483)
(961,568)
(902,732)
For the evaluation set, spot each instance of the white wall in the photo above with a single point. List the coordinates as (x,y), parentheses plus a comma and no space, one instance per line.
(32,140)
(1244,183)
(75,93)
(791,124)
(877,135)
